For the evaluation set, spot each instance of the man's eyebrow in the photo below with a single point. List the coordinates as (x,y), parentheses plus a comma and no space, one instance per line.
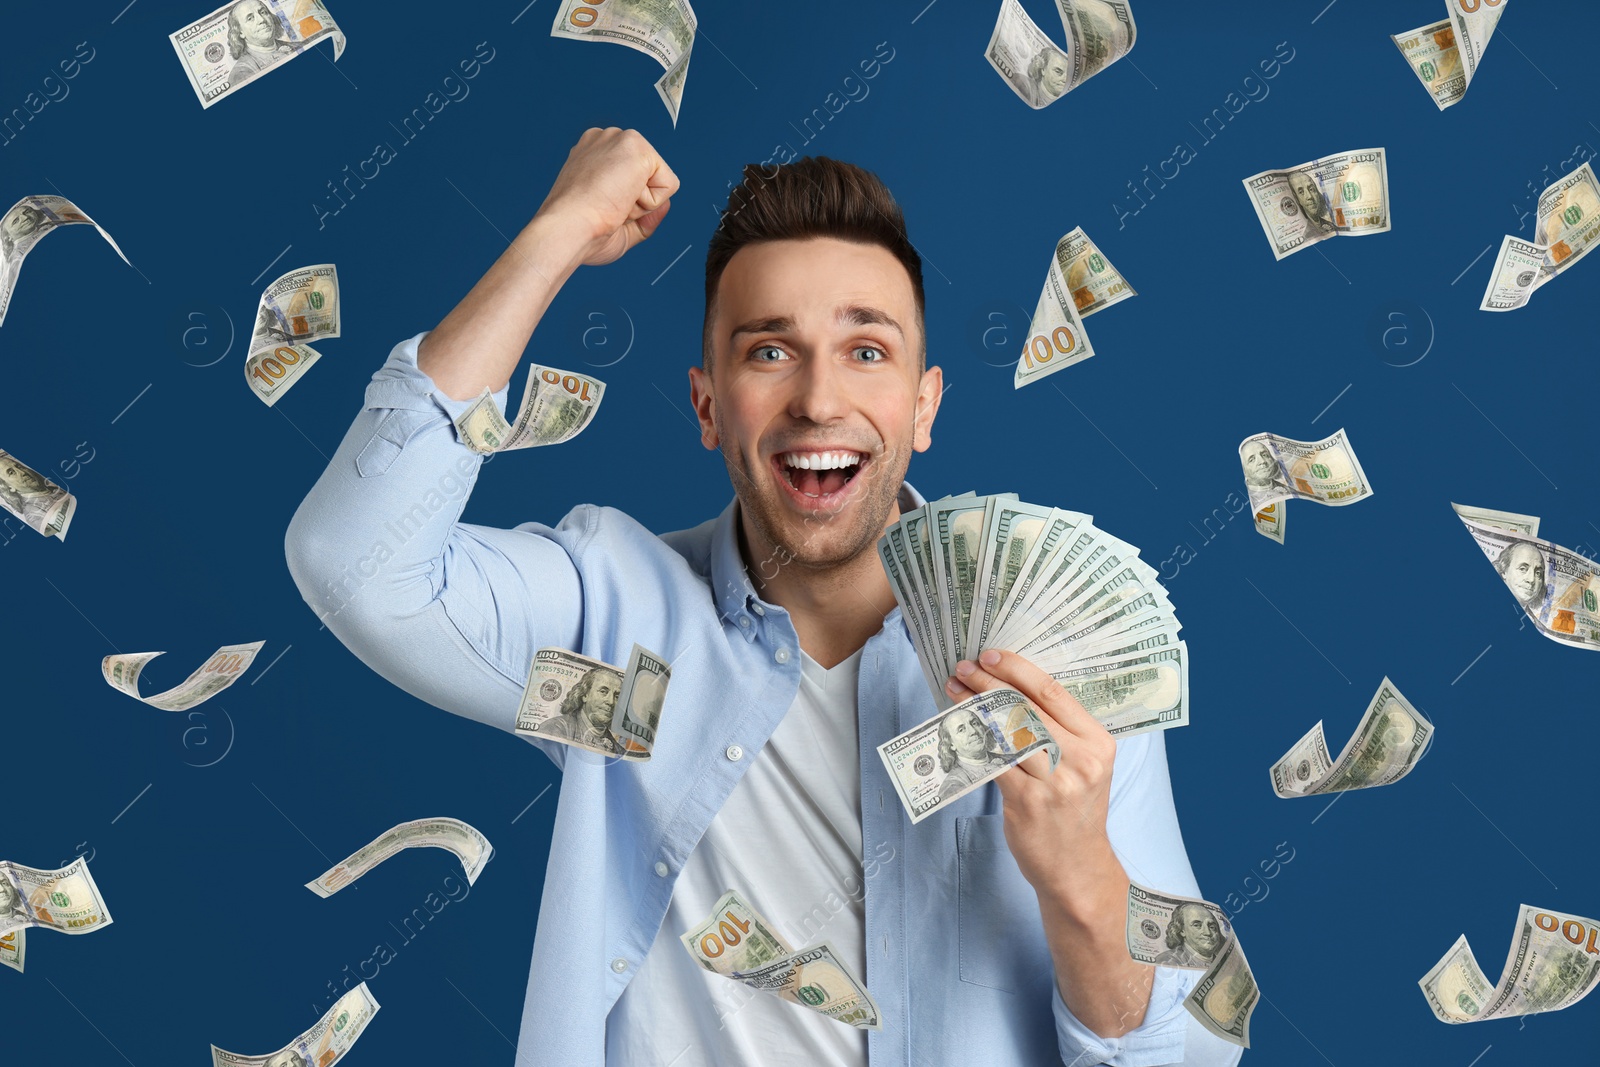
(849,315)
(773,324)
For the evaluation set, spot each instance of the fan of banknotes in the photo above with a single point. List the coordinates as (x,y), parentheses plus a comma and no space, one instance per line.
(980,572)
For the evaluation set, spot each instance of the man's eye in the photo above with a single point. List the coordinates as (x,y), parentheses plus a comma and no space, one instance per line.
(873,355)
(767,353)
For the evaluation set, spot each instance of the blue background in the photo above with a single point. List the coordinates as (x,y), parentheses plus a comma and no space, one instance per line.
(178,540)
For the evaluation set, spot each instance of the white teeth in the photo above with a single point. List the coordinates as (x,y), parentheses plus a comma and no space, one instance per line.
(821,461)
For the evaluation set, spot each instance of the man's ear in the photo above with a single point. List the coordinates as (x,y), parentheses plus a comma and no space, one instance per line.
(929,392)
(704,404)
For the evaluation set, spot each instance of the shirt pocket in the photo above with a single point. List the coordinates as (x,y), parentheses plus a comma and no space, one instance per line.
(1002,942)
(395,427)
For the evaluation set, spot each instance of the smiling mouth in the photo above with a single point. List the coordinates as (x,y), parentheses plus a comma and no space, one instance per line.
(820,477)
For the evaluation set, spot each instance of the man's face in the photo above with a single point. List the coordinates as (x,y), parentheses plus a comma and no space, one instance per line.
(1053,78)
(1525,572)
(968,736)
(19,477)
(1306,191)
(1200,930)
(1259,466)
(255,22)
(601,699)
(815,397)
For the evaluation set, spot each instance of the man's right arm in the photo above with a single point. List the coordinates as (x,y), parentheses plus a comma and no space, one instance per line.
(449,612)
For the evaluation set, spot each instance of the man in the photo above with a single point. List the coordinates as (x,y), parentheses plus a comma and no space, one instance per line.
(1047,76)
(968,751)
(586,711)
(1312,204)
(1522,566)
(254,41)
(1193,937)
(791,664)
(1263,478)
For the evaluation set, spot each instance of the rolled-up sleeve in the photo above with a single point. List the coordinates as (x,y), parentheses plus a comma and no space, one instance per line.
(447,611)
(1142,824)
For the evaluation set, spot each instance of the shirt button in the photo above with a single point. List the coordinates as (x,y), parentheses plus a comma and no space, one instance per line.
(619,965)
(757,608)
(782,655)
(661,869)
(744,621)
(735,753)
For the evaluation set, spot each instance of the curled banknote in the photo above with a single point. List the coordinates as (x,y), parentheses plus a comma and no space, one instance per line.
(1444,55)
(65,899)
(1390,740)
(661,29)
(556,406)
(14,949)
(593,705)
(1557,589)
(1554,962)
(1527,525)
(1280,468)
(300,306)
(734,937)
(1098,33)
(956,751)
(25,225)
(244,38)
(1079,283)
(41,504)
(1566,227)
(1346,194)
(453,835)
(1167,930)
(321,1046)
(226,666)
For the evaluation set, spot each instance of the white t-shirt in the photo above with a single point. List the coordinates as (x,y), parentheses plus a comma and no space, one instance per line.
(789,840)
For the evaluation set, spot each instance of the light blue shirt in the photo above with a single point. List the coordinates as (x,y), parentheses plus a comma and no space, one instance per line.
(452,613)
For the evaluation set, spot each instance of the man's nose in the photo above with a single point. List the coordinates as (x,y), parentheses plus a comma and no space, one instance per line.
(820,393)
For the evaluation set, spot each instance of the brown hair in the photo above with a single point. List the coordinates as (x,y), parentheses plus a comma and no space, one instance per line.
(812,197)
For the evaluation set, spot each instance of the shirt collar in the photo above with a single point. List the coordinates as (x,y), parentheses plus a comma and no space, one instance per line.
(732,591)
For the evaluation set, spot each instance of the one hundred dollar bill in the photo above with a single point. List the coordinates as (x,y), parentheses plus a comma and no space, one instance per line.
(14,949)
(1098,33)
(593,705)
(1554,963)
(661,29)
(1226,995)
(1281,469)
(25,225)
(65,900)
(228,48)
(1516,274)
(1558,589)
(1079,283)
(300,306)
(956,751)
(41,504)
(556,406)
(468,845)
(321,1046)
(1566,227)
(225,666)
(1148,690)
(1172,931)
(1346,194)
(1271,520)
(1444,55)
(1389,741)
(734,937)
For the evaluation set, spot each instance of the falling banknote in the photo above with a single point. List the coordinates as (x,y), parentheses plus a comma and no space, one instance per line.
(1554,963)
(1445,55)
(1166,930)
(1558,589)
(25,225)
(1567,226)
(301,306)
(736,942)
(65,900)
(1389,741)
(1345,194)
(1281,469)
(593,705)
(453,835)
(40,503)
(662,29)
(239,40)
(556,406)
(1098,33)
(321,1046)
(1079,283)
(956,751)
(226,666)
